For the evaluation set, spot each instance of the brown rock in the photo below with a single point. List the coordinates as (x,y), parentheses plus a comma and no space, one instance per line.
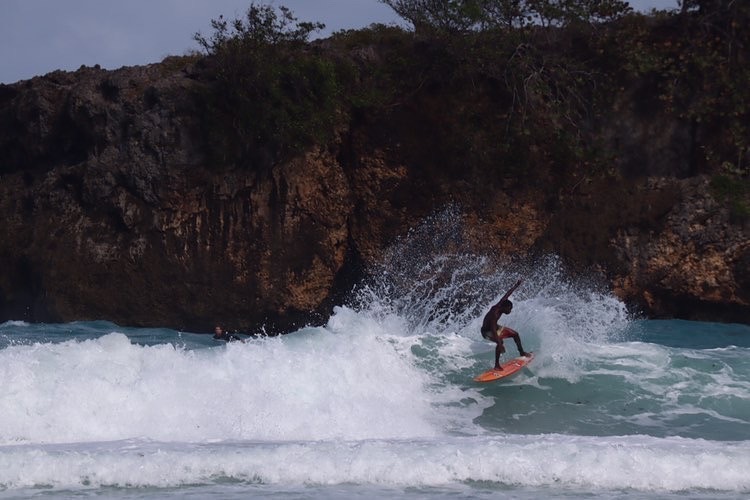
(109,209)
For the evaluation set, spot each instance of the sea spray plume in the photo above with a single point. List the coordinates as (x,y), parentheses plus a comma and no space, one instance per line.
(428,278)
(428,281)
(565,317)
(579,303)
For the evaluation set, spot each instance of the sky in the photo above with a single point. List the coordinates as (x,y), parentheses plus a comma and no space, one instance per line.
(39,36)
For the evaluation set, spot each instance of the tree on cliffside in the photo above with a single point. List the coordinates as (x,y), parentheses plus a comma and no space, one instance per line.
(450,16)
(268,96)
(446,16)
(262,27)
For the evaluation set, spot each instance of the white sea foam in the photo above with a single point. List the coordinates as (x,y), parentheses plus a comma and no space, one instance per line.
(13,323)
(307,386)
(636,463)
(354,379)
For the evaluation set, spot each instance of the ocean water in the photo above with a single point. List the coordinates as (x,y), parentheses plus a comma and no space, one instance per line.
(380,401)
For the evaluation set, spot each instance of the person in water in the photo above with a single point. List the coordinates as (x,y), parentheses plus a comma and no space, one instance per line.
(496,333)
(220,334)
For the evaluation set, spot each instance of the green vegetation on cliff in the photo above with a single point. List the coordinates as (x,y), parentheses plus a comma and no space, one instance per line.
(270,95)
(521,90)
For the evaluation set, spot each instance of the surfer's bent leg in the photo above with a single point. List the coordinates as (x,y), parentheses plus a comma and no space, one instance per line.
(508,333)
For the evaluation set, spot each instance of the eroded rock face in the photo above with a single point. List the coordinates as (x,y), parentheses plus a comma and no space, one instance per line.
(111,212)
(695,267)
(109,209)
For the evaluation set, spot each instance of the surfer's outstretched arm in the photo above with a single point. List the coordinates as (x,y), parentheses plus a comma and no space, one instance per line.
(512,289)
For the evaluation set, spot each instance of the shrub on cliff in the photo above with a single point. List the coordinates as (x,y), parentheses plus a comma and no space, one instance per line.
(559,67)
(268,95)
(521,88)
(524,77)
(694,66)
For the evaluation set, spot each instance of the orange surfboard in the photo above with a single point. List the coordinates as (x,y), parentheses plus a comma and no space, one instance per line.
(509,368)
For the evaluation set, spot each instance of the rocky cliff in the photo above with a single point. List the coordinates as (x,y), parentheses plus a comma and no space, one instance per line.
(112,208)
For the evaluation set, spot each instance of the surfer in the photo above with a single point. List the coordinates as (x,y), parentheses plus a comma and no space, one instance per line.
(220,334)
(496,333)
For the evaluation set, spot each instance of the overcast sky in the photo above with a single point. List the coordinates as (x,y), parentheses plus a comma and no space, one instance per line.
(39,36)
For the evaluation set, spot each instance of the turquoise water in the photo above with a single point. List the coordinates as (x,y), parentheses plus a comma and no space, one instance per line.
(364,407)
(380,401)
